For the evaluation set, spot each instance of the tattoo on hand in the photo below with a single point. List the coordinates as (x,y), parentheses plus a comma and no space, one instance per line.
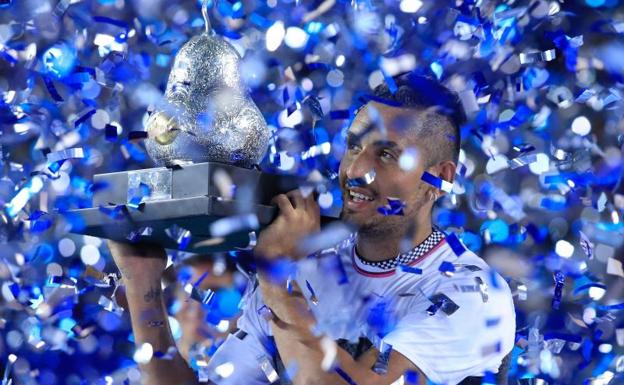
(153,294)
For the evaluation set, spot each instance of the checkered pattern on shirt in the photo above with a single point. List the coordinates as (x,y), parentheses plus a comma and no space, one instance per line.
(406,258)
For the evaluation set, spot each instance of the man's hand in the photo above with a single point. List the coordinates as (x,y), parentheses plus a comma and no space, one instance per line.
(133,260)
(298,217)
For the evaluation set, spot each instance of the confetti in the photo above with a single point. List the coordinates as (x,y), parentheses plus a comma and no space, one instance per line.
(394,207)
(381,364)
(313,297)
(70,153)
(229,225)
(586,245)
(202,296)
(330,352)
(533,57)
(447,269)
(539,160)
(559,283)
(409,269)
(614,267)
(267,369)
(437,182)
(367,179)
(441,302)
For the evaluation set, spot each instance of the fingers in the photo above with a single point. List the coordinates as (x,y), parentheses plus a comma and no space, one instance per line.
(294,200)
(283,203)
(312,205)
(298,201)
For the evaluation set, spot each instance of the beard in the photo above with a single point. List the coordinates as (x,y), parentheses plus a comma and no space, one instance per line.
(379,226)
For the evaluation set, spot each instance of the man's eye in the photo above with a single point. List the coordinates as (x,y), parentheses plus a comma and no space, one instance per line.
(387,155)
(353,147)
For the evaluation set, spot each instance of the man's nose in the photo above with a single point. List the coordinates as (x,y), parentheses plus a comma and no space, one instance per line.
(360,165)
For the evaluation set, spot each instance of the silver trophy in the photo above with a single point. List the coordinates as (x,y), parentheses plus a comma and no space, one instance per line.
(207,136)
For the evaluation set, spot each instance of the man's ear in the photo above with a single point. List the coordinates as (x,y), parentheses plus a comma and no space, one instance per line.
(446,170)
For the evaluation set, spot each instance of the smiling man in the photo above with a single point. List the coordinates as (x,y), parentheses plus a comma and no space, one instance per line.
(398,286)
(399,301)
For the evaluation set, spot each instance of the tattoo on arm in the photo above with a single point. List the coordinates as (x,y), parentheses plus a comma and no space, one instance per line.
(153,294)
(156,324)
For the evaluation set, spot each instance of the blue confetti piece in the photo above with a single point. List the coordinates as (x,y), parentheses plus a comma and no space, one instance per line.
(553,204)
(260,21)
(524,147)
(617,306)
(367,179)
(339,114)
(107,20)
(493,278)
(562,336)
(489,378)
(313,297)
(447,268)
(110,132)
(411,377)
(589,286)
(292,108)
(490,322)
(394,207)
(436,182)
(390,82)
(52,89)
(559,284)
(84,117)
(455,244)
(409,269)
(312,102)
(137,135)
(344,376)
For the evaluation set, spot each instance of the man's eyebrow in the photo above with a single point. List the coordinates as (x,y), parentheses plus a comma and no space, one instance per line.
(386,143)
(351,137)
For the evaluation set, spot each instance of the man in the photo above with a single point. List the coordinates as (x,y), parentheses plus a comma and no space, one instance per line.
(398,285)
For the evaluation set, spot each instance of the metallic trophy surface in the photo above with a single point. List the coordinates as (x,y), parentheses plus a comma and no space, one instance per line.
(208,115)
(206,136)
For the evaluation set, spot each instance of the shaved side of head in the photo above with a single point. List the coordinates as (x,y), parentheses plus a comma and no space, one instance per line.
(434,114)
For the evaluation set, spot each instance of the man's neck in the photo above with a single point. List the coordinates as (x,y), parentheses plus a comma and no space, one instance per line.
(382,247)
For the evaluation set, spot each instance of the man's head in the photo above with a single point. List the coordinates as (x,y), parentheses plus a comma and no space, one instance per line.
(422,118)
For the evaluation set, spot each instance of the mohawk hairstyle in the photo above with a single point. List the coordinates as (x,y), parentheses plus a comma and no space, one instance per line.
(442,116)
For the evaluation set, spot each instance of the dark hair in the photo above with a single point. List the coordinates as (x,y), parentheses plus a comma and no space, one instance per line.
(445,116)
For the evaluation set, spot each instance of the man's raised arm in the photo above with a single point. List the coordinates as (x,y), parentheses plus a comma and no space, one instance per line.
(141,267)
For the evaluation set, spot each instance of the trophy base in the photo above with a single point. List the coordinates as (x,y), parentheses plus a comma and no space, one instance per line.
(181,205)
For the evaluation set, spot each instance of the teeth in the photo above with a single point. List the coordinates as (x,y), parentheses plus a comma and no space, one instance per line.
(357,197)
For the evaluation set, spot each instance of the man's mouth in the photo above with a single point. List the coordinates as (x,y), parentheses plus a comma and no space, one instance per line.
(359,198)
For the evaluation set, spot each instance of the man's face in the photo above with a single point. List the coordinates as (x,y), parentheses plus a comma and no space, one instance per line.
(375,141)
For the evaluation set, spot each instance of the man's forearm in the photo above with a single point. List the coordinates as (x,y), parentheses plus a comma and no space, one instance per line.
(297,344)
(150,325)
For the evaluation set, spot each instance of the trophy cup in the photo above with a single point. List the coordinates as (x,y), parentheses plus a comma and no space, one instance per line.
(205,196)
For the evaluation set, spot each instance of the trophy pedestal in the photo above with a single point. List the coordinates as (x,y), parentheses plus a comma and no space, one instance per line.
(182,204)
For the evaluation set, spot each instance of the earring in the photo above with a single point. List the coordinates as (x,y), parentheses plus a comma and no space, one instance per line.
(432,195)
